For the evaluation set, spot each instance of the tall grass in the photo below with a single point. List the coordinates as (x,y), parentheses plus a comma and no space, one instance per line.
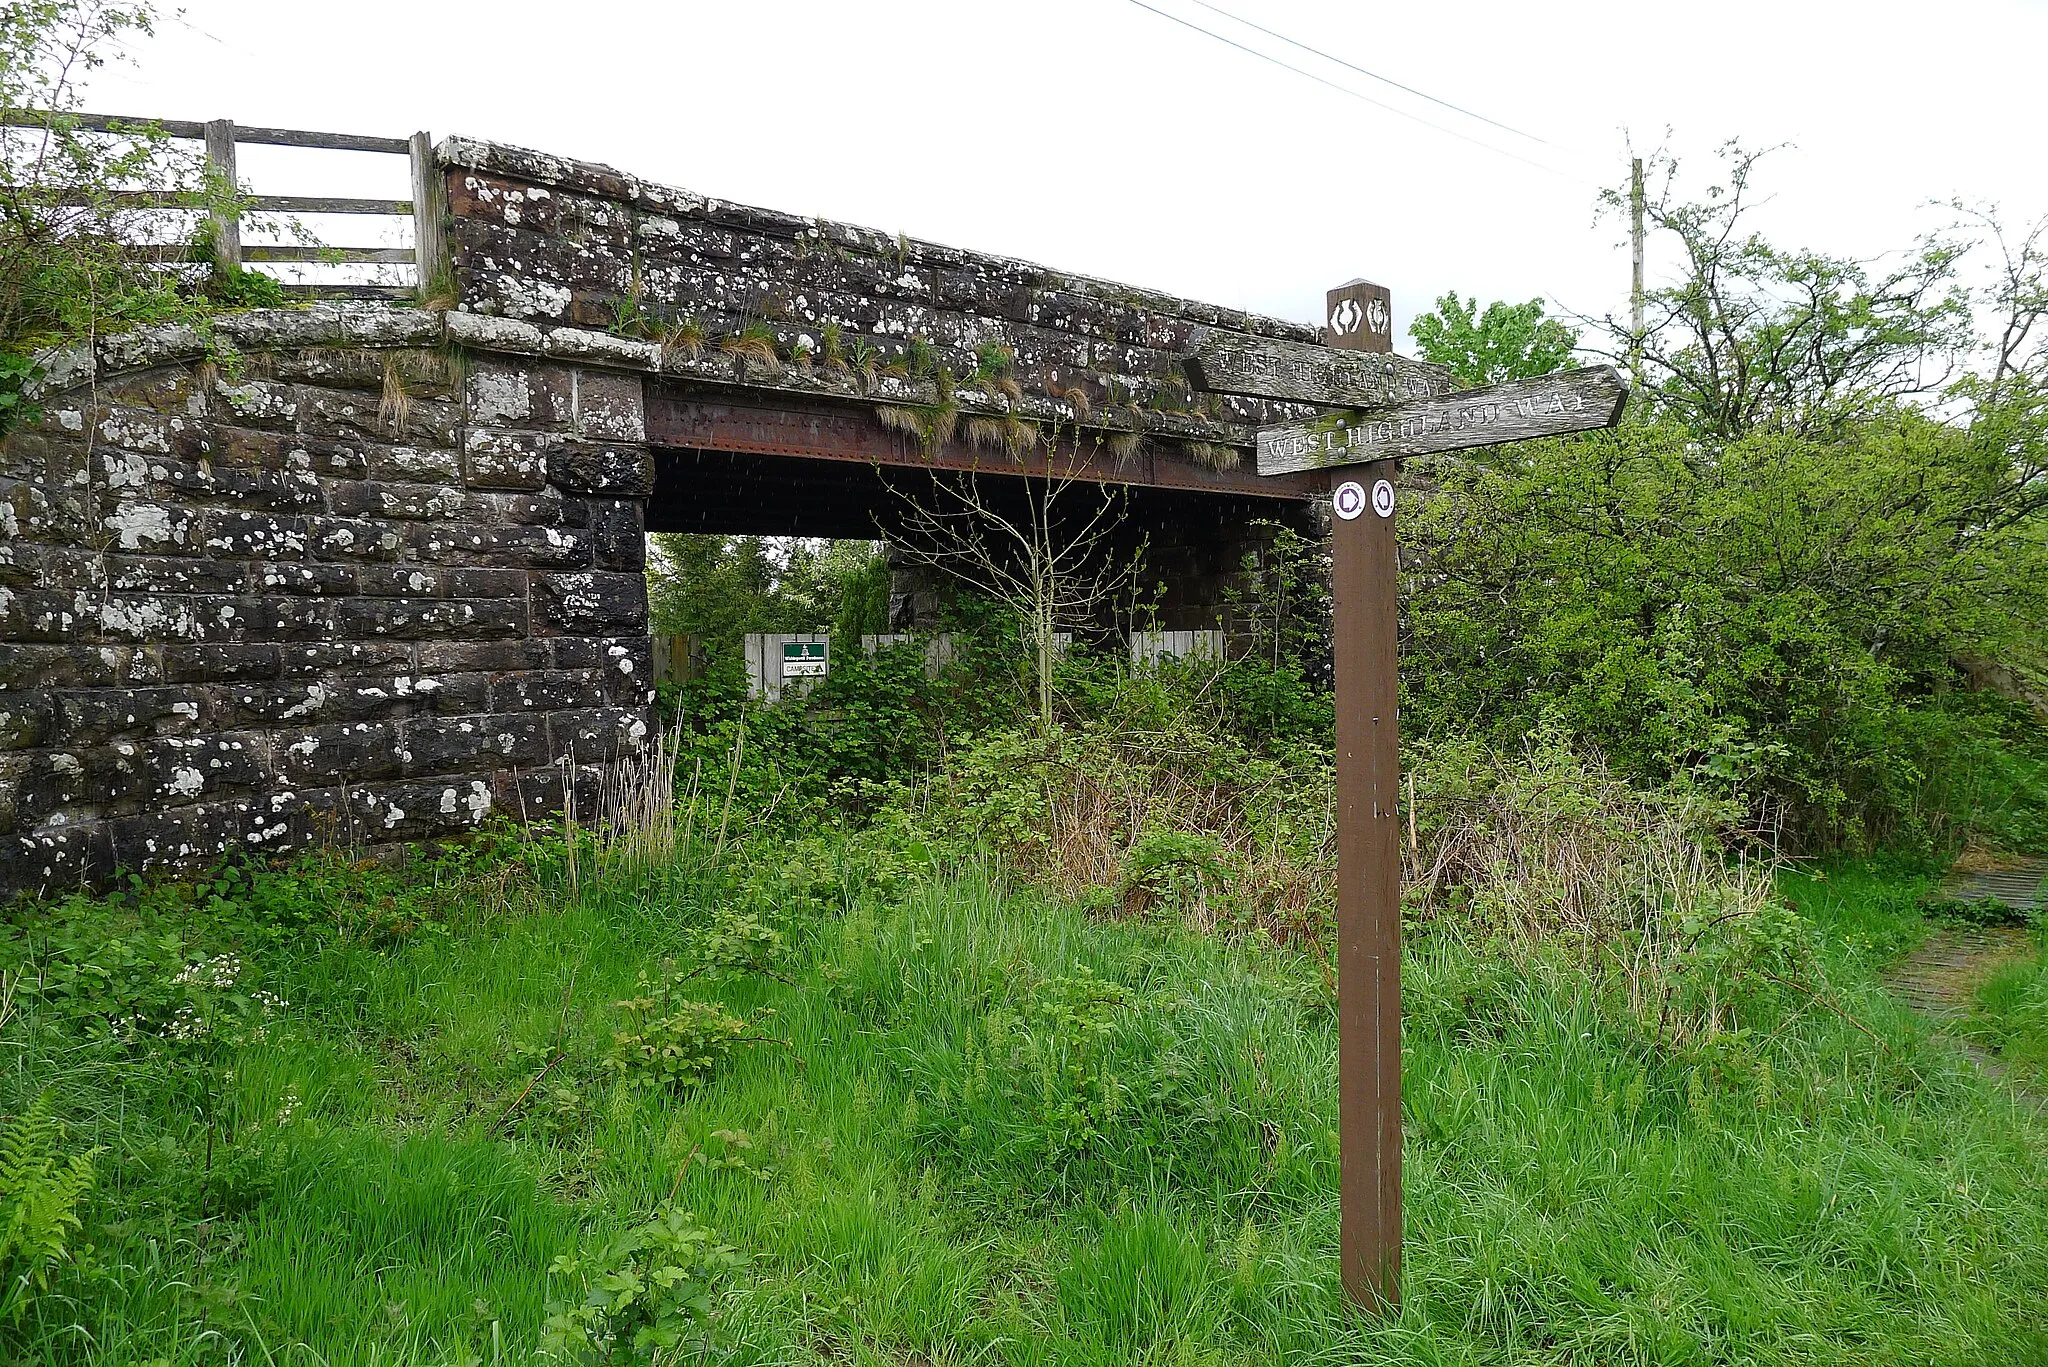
(934,1168)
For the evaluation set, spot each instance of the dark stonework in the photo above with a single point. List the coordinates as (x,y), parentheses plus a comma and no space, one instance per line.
(553,246)
(340,588)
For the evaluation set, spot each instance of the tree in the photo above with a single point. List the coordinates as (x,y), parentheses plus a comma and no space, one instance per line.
(722,587)
(1754,336)
(1507,342)
(1043,548)
(66,240)
(78,255)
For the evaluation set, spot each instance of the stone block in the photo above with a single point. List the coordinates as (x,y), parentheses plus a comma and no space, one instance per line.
(27,720)
(496,393)
(589,469)
(328,459)
(628,671)
(545,508)
(493,657)
(598,602)
(413,619)
(404,581)
(455,695)
(596,735)
(523,547)
(354,752)
(209,662)
(498,458)
(420,809)
(406,502)
(609,407)
(262,404)
(89,717)
(442,745)
(346,414)
(413,464)
(487,583)
(137,574)
(333,538)
(275,823)
(298,619)
(174,770)
(305,577)
(54,857)
(545,690)
(244,535)
(48,616)
(345,658)
(618,533)
(154,528)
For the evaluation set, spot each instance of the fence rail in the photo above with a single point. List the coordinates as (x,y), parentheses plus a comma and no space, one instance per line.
(427,208)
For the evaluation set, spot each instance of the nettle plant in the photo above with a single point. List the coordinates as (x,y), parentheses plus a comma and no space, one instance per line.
(644,1295)
(673,1041)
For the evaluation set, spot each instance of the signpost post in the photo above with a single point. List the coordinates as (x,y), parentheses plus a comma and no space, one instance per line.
(1400,408)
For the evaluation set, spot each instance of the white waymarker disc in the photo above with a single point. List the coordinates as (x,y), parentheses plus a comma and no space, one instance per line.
(1382,498)
(1349,499)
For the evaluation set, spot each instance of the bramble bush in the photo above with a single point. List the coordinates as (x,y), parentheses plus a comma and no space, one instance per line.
(647,1294)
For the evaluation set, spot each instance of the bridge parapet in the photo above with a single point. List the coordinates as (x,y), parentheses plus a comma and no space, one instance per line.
(732,294)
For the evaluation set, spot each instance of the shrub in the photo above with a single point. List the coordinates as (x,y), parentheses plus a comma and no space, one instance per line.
(645,1295)
(674,1041)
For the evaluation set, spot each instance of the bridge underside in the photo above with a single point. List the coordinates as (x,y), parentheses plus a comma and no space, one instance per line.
(735,468)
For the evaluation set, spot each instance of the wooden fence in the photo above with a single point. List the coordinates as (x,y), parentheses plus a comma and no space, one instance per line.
(428,207)
(776,663)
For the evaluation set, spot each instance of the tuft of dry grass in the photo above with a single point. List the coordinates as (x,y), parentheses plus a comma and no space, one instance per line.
(1126,447)
(394,408)
(753,344)
(1214,455)
(636,819)
(1010,434)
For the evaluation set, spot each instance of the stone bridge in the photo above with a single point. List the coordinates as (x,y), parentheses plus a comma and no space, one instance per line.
(367,573)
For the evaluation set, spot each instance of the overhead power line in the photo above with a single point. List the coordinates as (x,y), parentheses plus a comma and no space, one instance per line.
(1347,90)
(1374,75)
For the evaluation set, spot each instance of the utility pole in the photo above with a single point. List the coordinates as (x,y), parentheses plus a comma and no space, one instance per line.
(1635,294)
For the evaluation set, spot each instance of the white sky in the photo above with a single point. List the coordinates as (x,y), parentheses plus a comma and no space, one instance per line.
(1094,136)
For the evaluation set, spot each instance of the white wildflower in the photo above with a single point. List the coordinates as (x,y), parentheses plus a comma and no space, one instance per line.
(187,1025)
(219,972)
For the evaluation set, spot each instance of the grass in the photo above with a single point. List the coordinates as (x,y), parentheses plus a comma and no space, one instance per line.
(999,1130)
(2013,1007)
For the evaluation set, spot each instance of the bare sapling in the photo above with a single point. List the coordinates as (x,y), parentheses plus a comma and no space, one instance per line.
(1048,553)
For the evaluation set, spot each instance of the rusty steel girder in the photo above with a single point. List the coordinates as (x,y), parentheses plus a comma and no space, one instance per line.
(850,432)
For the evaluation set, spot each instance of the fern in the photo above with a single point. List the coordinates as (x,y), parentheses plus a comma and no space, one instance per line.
(40,1191)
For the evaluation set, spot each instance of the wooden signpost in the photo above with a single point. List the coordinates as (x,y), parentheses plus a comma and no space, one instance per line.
(1398,408)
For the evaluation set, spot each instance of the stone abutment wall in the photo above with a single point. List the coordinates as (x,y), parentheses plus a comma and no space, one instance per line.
(369,574)
(319,576)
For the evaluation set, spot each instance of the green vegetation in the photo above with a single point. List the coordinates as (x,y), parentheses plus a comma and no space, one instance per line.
(719,588)
(2014,1004)
(77,257)
(1775,577)
(1028,1059)
(987,1016)
(1505,342)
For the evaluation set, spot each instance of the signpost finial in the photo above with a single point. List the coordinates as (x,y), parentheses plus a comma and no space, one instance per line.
(1359,316)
